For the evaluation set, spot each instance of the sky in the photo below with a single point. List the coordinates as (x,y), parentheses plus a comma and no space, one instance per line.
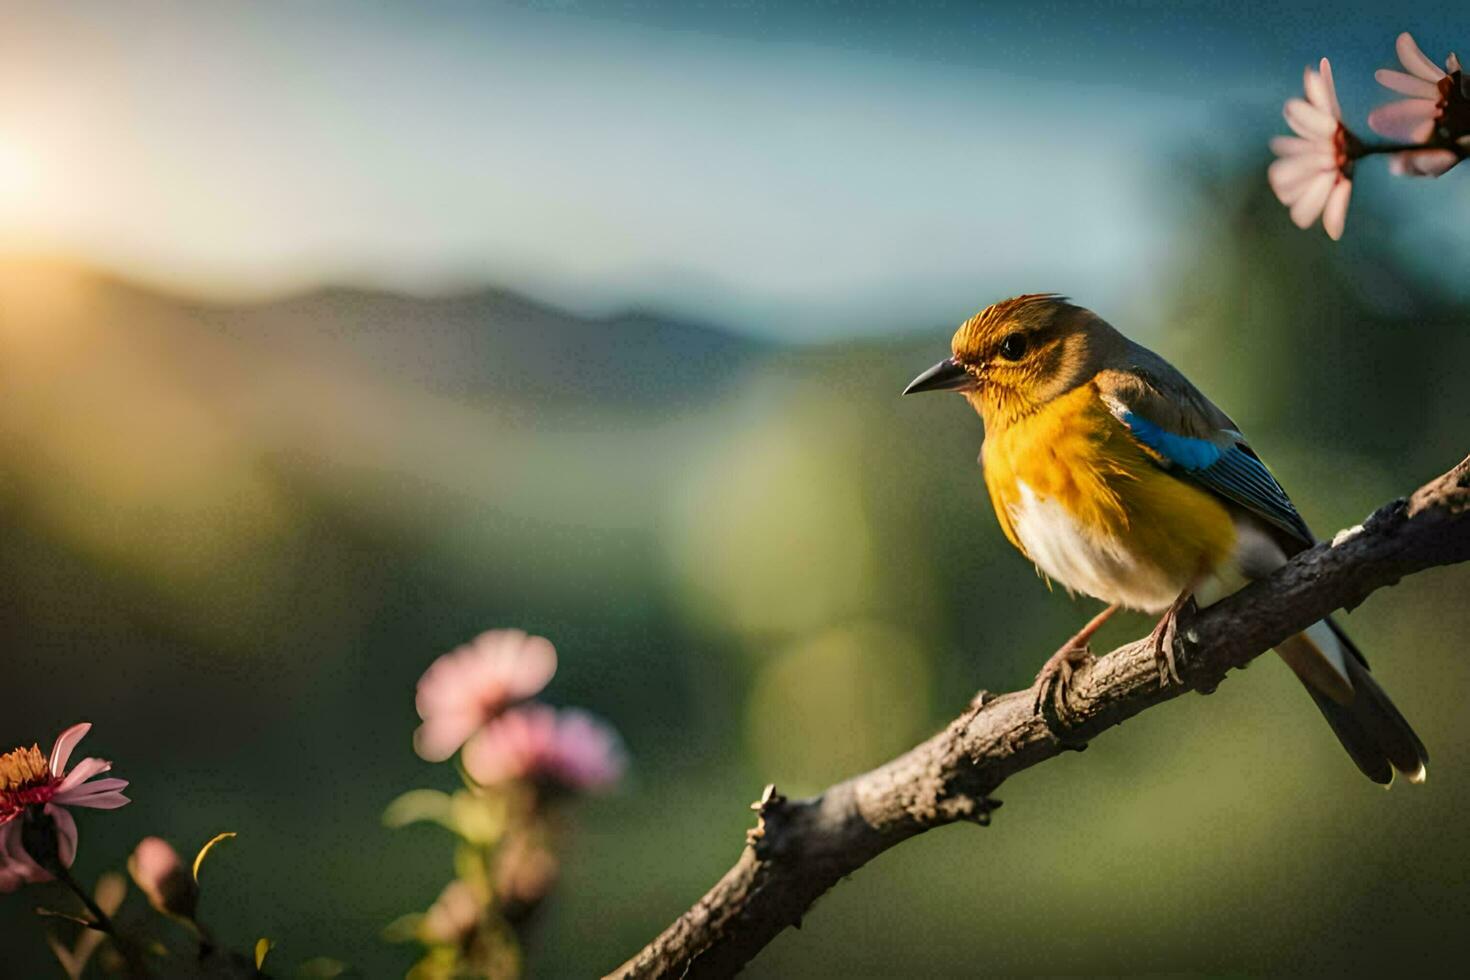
(791,169)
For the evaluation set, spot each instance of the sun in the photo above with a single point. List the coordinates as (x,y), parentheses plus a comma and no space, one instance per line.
(19,175)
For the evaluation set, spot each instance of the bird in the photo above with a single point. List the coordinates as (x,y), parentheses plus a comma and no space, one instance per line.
(1120,480)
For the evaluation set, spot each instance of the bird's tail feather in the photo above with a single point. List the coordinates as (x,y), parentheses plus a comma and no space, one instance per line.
(1367,724)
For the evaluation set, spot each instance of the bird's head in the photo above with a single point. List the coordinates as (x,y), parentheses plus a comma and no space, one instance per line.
(1015,356)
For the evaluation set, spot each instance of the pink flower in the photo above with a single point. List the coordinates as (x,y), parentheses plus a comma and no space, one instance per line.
(470,685)
(30,779)
(1422,163)
(162,877)
(1313,173)
(1435,96)
(570,749)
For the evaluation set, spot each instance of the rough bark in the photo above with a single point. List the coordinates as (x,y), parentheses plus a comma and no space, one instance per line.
(800,848)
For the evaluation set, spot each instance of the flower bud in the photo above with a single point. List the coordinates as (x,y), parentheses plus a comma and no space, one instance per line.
(454,917)
(525,872)
(160,875)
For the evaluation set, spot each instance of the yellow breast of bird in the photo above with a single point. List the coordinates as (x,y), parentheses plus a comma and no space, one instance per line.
(1080,497)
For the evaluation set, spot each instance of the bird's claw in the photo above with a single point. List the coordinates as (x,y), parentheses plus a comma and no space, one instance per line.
(1163,639)
(1054,682)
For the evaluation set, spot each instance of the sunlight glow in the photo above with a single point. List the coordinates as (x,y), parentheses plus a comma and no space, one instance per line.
(19,176)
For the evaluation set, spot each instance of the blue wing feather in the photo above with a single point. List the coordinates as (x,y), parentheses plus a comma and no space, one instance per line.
(1183,451)
(1233,471)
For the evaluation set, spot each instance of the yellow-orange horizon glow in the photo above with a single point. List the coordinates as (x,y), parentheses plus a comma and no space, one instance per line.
(21,182)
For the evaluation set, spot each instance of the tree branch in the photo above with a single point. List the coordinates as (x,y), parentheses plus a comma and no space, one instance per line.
(800,848)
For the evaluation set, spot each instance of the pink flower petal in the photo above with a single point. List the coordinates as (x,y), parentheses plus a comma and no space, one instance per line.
(1286,146)
(588,755)
(1422,163)
(1325,68)
(65,742)
(13,857)
(66,833)
(1408,85)
(1452,63)
(1334,215)
(1406,119)
(1414,59)
(1309,206)
(473,683)
(569,748)
(84,771)
(512,746)
(1305,163)
(1289,194)
(104,801)
(1307,120)
(87,795)
(1289,177)
(1316,90)
(153,860)
(1286,193)
(442,735)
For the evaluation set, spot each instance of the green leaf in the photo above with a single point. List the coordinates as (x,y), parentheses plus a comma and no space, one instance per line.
(199,858)
(417,805)
(323,967)
(404,929)
(469,864)
(479,819)
(437,963)
(262,947)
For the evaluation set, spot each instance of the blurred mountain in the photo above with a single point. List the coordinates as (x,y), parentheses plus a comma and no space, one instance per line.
(493,345)
(151,403)
(489,344)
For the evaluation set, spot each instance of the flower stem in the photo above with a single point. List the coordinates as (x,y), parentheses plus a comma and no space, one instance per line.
(103,922)
(207,945)
(1369,149)
(1372,149)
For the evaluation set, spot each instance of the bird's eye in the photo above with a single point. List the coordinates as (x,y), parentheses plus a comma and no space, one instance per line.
(1013,347)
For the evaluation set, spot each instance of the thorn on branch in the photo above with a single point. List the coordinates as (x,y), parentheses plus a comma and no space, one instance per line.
(765,807)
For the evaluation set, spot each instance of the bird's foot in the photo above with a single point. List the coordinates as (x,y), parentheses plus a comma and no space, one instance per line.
(1054,682)
(1164,637)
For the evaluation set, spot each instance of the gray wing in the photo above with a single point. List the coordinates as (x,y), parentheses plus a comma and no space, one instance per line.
(1189,436)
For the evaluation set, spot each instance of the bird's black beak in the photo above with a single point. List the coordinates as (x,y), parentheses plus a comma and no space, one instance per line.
(947,375)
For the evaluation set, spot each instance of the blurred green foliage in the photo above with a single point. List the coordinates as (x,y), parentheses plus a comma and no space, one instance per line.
(234,537)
